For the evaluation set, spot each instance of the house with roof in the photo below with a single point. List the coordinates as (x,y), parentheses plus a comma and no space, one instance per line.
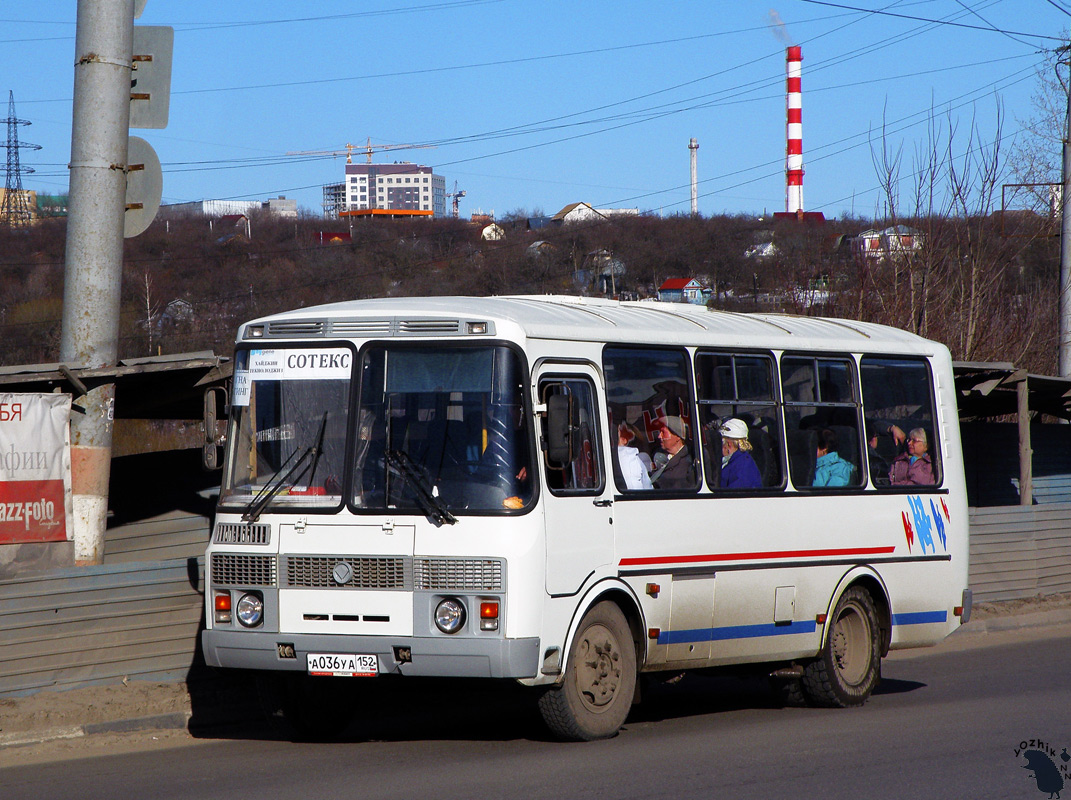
(897,241)
(683,290)
(583,212)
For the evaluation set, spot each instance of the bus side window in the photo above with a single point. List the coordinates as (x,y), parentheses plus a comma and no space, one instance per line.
(897,404)
(821,405)
(739,385)
(645,388)
(580,471)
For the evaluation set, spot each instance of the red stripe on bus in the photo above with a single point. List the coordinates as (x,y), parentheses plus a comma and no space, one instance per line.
(852,551)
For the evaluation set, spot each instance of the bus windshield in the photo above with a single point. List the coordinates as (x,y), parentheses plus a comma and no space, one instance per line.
(288,428)
(437,430)
(441,430)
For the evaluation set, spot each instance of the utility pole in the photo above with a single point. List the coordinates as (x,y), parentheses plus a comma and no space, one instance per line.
(1065,246)
(94,253)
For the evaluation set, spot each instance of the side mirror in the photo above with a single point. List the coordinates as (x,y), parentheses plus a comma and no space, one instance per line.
(210,452)
(559,429)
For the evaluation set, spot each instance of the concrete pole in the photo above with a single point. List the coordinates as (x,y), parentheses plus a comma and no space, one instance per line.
(94,254)
(1026,453)
(693,149)
(1065,251)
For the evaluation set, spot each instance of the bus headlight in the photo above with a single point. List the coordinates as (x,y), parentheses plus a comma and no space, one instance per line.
(450,615)
(250,610)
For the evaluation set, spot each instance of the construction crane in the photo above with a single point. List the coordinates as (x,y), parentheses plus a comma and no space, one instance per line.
(457,196)
(368,149)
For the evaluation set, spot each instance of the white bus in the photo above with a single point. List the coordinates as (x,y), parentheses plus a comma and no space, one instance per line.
(437,487)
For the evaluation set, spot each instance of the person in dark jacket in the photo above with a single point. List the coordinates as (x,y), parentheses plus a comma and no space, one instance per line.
(738,468)
(675,467)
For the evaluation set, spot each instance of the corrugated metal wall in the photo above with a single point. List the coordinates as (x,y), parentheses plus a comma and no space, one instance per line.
(86,625)
(1020,551)
(176,534)
(138,615)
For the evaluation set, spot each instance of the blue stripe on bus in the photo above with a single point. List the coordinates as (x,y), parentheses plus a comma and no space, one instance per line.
(734,632)
(919,617)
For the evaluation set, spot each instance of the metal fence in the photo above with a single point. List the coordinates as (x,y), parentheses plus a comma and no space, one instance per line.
(1020,551)
(139,614)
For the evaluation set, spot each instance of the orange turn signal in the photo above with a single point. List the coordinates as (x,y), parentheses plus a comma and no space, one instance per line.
(489,610)
(223,601)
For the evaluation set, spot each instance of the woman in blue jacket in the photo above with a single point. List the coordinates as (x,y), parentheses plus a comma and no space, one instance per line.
(738,468)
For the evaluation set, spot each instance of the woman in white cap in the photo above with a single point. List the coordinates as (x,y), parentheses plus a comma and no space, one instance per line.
(738,468)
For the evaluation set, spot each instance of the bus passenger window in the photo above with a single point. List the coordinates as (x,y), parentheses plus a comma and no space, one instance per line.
(740,386)
(902,445)
(648,390)
(580,471)
(822,422)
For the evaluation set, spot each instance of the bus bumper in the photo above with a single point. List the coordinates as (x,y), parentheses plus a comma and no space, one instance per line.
(403,655)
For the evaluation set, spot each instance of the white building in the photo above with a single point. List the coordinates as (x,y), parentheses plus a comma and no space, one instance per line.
(394,187)
(582,212)
(896,242)
(281,206)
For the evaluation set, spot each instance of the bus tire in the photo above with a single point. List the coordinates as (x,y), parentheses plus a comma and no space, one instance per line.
(849,666)
(600,679)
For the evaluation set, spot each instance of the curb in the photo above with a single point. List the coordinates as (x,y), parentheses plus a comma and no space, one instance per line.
(158,722)
(1038,619)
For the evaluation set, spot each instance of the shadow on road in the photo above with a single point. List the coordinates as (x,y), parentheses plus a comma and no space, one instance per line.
(893,686)
(416,709)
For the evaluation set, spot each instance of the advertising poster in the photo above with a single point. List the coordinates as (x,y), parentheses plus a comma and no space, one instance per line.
(35,468)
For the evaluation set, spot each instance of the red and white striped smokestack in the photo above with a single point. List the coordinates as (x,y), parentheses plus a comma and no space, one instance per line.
(794,133)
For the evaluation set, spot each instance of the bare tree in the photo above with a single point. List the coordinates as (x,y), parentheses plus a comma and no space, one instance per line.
(1036,155)
(152,310)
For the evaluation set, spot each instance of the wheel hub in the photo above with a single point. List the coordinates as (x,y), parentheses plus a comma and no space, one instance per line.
(599,667)
(851,637)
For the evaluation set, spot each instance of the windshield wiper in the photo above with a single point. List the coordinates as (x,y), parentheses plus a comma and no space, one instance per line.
(434,507)
(273,486)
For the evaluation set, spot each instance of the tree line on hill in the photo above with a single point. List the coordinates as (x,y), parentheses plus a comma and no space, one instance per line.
(985,285)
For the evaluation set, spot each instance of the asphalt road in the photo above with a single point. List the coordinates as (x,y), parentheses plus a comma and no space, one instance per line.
(946,723)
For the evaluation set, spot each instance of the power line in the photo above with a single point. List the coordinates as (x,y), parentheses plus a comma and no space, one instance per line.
(933,21)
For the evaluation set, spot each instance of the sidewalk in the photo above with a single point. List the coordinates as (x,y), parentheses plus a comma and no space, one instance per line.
(221,699)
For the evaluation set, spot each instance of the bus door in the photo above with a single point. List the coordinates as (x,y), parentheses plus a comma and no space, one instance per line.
(577,501)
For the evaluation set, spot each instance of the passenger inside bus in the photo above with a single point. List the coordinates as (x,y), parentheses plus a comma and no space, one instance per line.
(913,468)
(877,461)
(829,468)
(674,467)
(633,470)
(738,468)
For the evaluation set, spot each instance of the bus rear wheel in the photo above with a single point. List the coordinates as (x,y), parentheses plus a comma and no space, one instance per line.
(849,666)
(600,679)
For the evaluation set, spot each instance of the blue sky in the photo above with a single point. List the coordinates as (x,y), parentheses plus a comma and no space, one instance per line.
(535,105)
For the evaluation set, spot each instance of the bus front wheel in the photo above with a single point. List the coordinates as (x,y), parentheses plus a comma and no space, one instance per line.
(849,666)
(600,679)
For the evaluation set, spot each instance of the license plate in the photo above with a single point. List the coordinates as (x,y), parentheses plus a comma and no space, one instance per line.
(346,665)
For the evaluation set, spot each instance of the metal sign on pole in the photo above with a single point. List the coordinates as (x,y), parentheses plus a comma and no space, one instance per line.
(150,77)
(144,186)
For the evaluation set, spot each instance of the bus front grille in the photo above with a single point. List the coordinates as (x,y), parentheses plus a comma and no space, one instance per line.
(241,533)
(345,572)
(458,574)
(241,570)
